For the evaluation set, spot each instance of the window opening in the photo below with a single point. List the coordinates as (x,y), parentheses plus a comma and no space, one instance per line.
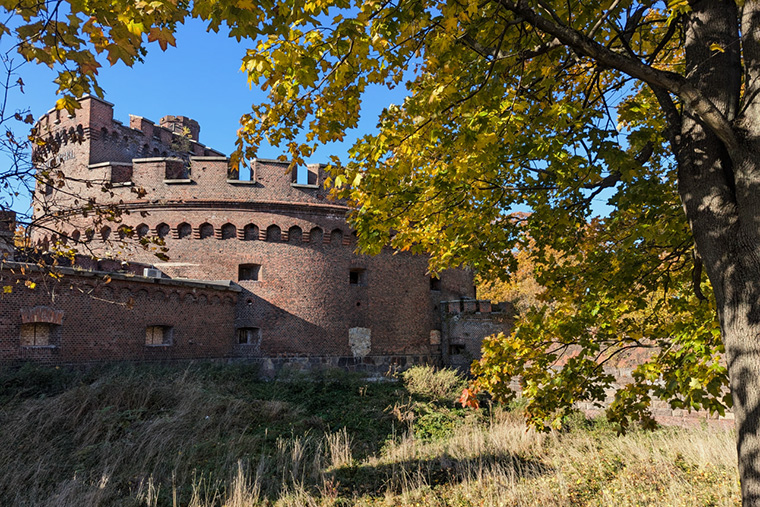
(250,233)
(184,230)
(273,233)
(206,231)
(249,272)
(295,235)
(248,335)
(435,283)
(158,335)
(37,334)
(162,230)
(357,277)
(456,348)
(229,231)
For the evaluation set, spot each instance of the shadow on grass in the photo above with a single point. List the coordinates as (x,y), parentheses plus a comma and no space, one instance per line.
(376,480)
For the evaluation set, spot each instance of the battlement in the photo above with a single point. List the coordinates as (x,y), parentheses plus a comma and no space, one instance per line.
(165,159)
(103,139)
(472,307)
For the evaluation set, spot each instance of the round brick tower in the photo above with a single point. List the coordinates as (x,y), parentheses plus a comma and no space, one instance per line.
(304,291)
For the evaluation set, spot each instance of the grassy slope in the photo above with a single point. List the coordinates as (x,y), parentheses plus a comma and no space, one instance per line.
(212,434)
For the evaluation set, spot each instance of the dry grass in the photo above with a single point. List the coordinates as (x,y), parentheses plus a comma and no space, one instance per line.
(179,438)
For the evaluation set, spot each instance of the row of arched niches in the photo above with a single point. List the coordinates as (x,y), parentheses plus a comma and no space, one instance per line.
(137,293)
(206,231)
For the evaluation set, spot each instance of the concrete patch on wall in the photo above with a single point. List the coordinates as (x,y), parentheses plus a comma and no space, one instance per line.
(360,341)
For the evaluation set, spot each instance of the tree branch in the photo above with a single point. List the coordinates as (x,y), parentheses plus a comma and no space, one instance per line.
(692,98)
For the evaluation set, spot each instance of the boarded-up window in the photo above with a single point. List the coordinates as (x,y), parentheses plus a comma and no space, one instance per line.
(158,335)
(248,335)
(249,272)
(38,334)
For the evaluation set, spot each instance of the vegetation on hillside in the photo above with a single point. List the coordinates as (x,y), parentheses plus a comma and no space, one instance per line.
(211,435)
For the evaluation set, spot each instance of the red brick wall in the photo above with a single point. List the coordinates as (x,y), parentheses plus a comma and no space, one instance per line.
(107,321)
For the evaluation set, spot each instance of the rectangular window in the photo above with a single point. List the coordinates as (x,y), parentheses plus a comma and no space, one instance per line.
(435,283)
(248,335)
(158,335)
(456,349)
(357,277)
(38,334)
(249,272)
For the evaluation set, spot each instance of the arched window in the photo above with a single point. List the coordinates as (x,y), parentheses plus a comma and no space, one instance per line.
(123,231)
(206,231)
(75,235)
(336,237)
(250,232)
(105,233)
(295,235)
(89,234)
(162,230)
(142,230)
(273,233)
(229,231)
(316,235)
(184,230)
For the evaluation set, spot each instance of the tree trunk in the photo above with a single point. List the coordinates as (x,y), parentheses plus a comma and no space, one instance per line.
(720,191)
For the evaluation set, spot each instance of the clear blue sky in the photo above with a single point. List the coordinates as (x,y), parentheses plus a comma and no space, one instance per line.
(200,78)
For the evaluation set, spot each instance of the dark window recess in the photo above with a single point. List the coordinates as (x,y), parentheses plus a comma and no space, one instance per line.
(229,231)
(250,233)
(456,349)
(206,231)
(248,335)
(176,170)
(249,271)
(435,283)
(162,230)
(184,230)
(357,277)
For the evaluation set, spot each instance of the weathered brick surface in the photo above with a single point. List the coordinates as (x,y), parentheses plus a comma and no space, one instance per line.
(304,302)
(101,321)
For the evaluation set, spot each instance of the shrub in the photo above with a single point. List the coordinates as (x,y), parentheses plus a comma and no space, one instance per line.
(440,385)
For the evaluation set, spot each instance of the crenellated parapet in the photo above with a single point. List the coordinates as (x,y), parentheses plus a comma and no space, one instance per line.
(104,139)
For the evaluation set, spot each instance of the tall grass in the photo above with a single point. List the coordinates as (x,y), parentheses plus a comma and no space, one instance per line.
(212,436)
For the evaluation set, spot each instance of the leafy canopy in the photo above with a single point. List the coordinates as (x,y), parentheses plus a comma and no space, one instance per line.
(500,117)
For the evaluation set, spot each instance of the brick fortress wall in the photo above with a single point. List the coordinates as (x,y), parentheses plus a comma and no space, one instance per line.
(313,296)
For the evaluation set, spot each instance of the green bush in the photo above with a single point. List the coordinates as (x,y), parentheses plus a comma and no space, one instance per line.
(439,385)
